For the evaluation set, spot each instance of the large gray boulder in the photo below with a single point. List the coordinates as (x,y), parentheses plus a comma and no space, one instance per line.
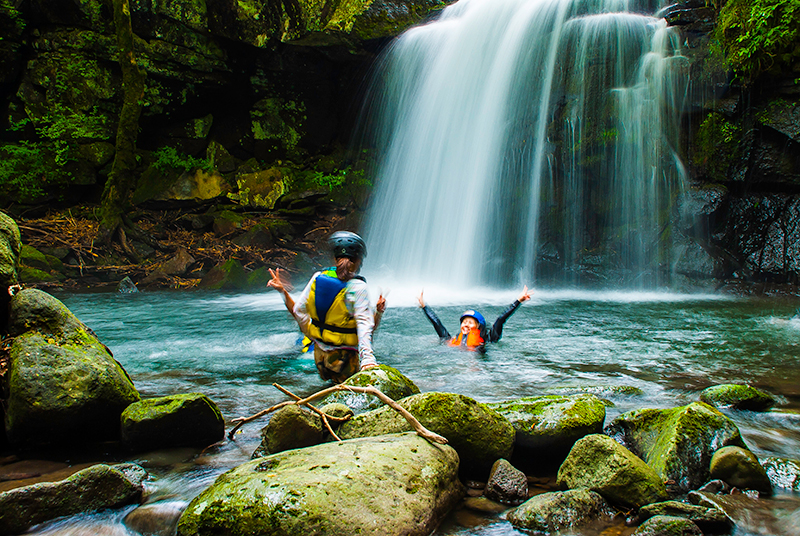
(600,464)
(398,484)
(677,443)
(561,511)
(548,426)
(94,488)
(479,434)
(185,420)
(64,385)
(386,379)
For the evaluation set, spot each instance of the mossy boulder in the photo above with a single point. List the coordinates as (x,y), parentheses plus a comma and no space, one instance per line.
(388,18)
(668,526)
(550,425)
(677,443)
(600,464)
(386,379)
(479,434)
(64,385)
(561,511)
(783,473)
(291,427)
(32,257)
(260,189)
(10,247)
(398,484)
(737,397)
(94,488)
(710,520)
(229,275)
(184,420)
(740,468)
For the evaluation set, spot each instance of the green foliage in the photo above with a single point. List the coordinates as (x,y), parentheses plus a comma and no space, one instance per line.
(169,159)
(24,170)
(717,145)
(759,36)
(338,178)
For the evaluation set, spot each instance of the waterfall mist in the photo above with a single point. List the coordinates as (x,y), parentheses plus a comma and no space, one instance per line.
(527,140)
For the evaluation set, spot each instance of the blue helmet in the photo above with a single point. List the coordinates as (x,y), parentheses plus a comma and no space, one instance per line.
(476,315)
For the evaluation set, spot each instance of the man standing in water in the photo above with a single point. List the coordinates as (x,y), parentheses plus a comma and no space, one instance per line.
(334,311)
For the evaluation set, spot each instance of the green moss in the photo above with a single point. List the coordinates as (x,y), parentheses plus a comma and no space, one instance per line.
(717,146)
(738,397)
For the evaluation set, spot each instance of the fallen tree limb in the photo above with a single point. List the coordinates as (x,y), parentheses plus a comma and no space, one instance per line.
(418,427)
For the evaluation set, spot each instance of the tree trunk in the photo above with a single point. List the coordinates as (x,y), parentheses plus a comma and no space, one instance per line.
(121,180)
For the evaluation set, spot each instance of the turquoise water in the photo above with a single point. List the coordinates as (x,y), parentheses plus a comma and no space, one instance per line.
(233,347)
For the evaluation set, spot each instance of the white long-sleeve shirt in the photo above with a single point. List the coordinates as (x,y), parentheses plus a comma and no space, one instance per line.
(356,300)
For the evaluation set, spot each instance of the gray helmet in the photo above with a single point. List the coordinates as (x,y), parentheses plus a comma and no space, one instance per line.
(347,244)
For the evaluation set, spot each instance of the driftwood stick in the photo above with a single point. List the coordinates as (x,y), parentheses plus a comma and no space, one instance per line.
(418,427)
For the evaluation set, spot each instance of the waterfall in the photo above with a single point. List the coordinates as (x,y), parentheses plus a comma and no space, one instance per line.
(527,140)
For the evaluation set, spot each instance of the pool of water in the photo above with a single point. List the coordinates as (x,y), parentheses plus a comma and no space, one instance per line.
(233,347)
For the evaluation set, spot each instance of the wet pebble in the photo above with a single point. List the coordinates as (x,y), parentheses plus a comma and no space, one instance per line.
(156,519)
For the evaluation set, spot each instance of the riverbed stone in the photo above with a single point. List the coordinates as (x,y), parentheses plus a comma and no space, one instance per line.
(548,426)
(737,397)
(746,513)
(783,473)
(397,484)
(667,526)
(740,468)
(677,443)
(291,427)
(710,520)
(506,484)
(94,488)
(561,511)
(385,379)
(64,385)
(479,434)
(182,420)
(10,247)
(599,463)
(158,518)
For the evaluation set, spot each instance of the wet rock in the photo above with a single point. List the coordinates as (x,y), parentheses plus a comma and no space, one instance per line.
(737,397)
(600,464)
(386,379)
(710,520)
(172,421)
(228,275)
(506,484)
(10,247)
(547,426)
(747,513)
(668,526)
(179,263)
(740,468)
(398,484)
(64,385)
(127,286)
(484,505)
(677,443)
(479,435)
(156,519)
(291,427)
(561,511)
(715,486)
(783,473)
(94,488)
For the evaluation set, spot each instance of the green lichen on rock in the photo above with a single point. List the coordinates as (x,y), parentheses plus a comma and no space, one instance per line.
(260,189)
(402,484)
(291,427)
(668,526)
(717,147)
(677,443)
(94,488)
(740,468)
(479,434)
(183,420)
(553,421)
(737,397)
(561,511)
(10,247)
(600,464)
(710,520)
(386,379)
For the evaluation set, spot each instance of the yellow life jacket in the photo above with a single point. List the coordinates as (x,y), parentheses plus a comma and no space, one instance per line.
(331,322)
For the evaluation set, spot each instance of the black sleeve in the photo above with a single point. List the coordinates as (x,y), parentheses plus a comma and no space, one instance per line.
(441,331)
(497,328)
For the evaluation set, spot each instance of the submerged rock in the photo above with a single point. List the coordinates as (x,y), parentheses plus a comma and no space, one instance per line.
(668,526)
(479,434)
(561,511)
(677,443)
(740,468)
(64,385)
(748,514)
(156,519)
(397,484)
(600,464)
(710,520)
(737,397)
(386,379)
(186,420)
(94,488)
(783,473)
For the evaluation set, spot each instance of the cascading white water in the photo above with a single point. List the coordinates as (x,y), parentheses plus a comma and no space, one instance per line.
(518,139)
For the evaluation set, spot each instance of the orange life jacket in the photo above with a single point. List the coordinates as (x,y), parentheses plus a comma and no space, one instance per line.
(474,339)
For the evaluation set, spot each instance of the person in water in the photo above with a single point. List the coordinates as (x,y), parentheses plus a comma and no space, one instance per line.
(334,311)
(473,334)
